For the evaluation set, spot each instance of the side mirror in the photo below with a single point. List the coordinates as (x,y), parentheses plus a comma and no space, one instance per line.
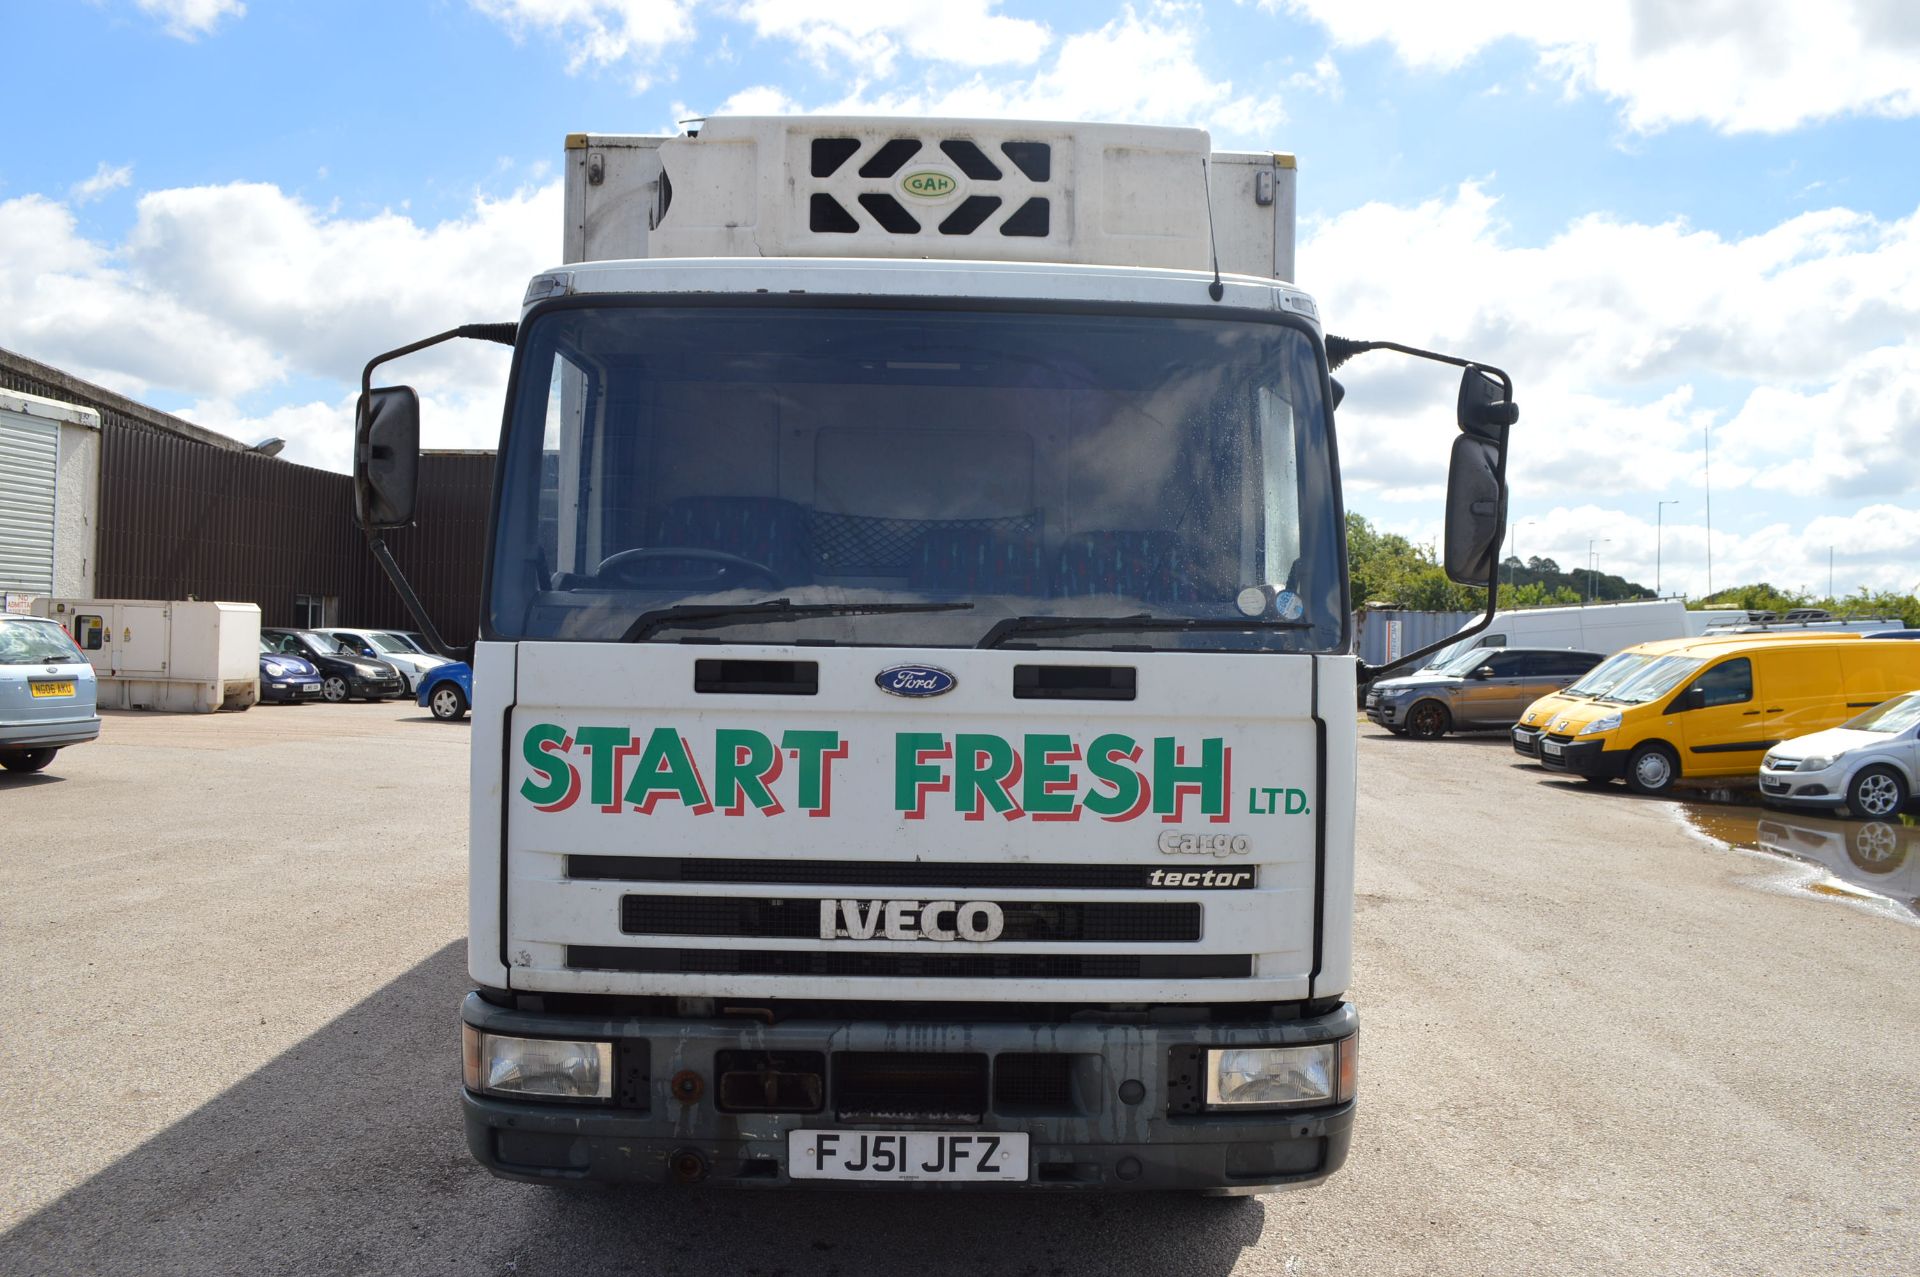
(1485,671)
(1696,698)
(386,457)
(1476,480)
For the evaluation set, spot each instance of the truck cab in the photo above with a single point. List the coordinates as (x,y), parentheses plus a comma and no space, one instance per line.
(912,737)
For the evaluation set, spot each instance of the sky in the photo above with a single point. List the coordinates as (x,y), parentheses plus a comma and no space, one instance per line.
(1686,230)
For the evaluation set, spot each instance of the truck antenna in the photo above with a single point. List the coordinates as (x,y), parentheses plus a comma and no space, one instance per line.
(1216,289)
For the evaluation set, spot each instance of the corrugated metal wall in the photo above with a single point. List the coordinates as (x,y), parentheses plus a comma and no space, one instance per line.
(178,518)
(1381,632)
(187,512)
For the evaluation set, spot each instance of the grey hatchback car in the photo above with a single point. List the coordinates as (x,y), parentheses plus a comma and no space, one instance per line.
(47,693)
(1484,687)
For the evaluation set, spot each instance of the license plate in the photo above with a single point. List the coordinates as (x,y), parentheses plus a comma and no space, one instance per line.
(1550,747)
(53,689)
(1519,736)
(309,689)
(907,1156)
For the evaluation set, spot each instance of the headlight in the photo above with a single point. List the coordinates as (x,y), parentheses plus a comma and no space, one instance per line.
(1818,763)
(544,1068)
(1599,725)
(275,670)
(1283,1077)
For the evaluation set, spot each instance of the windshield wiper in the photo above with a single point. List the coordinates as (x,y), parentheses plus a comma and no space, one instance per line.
(700,616)
(1012,625)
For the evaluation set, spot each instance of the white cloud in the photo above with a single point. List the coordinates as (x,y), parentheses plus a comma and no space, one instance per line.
(462,412)
(1138,68)
(600,32)
(1625,341)
(1876,546)
(872,34)
(105,178)
(1754,66)
(221,294)
(191,19)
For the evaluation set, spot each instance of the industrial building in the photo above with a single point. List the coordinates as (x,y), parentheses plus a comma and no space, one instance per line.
(104,497)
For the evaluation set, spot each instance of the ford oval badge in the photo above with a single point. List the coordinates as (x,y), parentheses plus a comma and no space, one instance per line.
(914,680)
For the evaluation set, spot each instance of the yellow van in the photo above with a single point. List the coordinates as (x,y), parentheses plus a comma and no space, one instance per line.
(1712,707)
(1597,681)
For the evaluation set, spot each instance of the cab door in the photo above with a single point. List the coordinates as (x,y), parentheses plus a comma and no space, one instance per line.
(1496,700)
(1722,724)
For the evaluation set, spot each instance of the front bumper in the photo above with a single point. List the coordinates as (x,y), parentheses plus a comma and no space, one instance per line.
(1526,740)
(290,689)
(56,733)
(376,688)
(1807,789)
(1582,758)
(1382,710)
(1097,1140)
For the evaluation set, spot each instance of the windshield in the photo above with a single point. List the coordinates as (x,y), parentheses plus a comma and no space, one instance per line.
(35,643)
(1655,679)
(387,643)
(1461,663)
(985,465)
(406,643)
(1889,717)
(1609,674)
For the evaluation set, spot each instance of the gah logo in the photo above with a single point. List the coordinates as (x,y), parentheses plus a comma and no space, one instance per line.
(929,184)
(914,680)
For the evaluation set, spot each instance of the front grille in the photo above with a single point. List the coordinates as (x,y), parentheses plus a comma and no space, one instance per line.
(1783,764)
(909,1086)
(1032,1082)
(937,966)
(846,873)
(799,919)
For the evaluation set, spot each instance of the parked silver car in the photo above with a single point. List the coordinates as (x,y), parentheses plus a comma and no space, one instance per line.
(47,693)
(1869,765)
(1482,687)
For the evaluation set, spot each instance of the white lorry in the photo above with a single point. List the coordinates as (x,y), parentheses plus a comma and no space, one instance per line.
(912,729)
(1592,627)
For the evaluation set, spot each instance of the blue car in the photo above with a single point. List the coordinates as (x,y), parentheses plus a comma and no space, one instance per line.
(286,677)
(47,693)
(447,690)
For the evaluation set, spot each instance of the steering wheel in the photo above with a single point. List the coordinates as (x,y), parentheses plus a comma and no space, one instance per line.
(724,566)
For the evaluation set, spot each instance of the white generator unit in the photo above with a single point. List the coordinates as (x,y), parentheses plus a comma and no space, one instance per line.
(181,657)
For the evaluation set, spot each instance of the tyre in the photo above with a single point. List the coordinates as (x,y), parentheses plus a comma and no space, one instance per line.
(1876,793)
(27,760)
(447,704)
(1429,720)
(334,689)
(1652,770)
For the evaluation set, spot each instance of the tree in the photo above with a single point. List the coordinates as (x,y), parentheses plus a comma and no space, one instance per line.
(1543,565)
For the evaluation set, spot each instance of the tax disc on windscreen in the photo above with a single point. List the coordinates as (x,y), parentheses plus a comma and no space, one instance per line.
(1288,605)
(1251,601)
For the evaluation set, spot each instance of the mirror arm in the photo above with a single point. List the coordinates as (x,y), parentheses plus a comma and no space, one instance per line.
(505,334)
(377,542)
(1341,349)
(502,333)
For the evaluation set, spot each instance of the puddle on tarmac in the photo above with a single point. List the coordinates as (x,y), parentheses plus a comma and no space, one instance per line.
(1864,862)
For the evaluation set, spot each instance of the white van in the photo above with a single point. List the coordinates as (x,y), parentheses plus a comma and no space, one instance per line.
(1592,627)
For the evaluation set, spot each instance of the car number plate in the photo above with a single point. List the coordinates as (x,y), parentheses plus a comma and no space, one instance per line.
(1551,747)
(53,689)
(1520,734)
(907,1156)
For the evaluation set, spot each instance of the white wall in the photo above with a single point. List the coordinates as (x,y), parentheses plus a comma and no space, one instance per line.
(76,517)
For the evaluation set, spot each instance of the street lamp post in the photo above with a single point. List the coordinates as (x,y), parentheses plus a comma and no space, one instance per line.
(1513,546)
(1592,562)
(1658,510)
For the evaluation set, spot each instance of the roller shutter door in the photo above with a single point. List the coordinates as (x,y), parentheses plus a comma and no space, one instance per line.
(29,464)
